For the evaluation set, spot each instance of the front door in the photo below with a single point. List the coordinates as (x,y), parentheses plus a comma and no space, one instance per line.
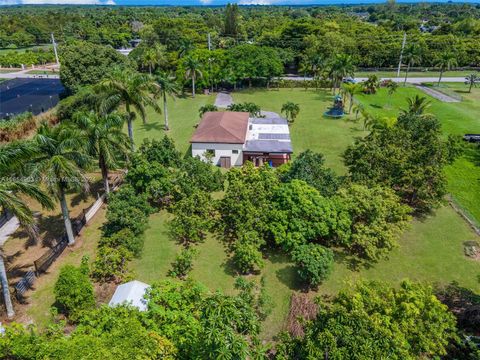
(225,162)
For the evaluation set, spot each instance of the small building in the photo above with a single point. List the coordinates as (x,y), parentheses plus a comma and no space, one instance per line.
(230,138)
(131,293)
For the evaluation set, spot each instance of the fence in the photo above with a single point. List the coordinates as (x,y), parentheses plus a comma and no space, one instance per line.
(24,284)
(42,264)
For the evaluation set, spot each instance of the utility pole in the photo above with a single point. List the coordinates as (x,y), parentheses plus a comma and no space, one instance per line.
(401,53)
(55,48)
(209,42)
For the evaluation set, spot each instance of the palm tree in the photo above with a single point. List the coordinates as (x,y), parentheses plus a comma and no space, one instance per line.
(392,87)
(445,61)
(350,90)
(192,70)
(358,109)
(206,108)
(13,191)
(341,67)
(152,57)
(58,159)
(131,89)
(291,111)
(416,106)
(168,87)
(472,80)
(413,56)
(104,140)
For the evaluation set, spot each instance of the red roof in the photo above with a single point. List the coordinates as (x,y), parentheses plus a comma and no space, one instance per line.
(225,127)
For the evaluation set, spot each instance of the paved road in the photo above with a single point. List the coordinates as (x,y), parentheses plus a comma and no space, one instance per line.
(412,80)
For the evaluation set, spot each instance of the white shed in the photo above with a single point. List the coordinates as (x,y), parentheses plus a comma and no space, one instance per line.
(131,293)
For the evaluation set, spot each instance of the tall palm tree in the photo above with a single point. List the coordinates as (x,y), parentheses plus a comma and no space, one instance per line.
(291,111)
(341,67)
(350,90)
(58,160)
(104,140)
(152,57)
(472,80)
(358,109)
(445,61)
(13,190)
(413,55)
(416,106)
(130,89)
(168,87)
(192,70)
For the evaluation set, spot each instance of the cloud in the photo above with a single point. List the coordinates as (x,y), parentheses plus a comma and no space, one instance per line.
(57,2)
(205,2)
(257,2)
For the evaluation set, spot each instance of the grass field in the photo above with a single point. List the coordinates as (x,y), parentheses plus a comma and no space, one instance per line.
(430,251)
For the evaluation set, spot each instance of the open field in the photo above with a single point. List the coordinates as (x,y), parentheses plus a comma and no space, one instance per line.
(430,251)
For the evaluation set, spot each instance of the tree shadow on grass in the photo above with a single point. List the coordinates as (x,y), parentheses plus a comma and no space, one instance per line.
(472,154)
(95,188)
(287,275)
(153,126)
(51,227)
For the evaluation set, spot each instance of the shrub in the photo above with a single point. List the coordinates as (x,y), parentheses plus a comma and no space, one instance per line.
(111,263)
(162,151)
(127,210)
(124,238)
(251,108)
(314,262)
(183,263)
(246,253)
(194,217)
(16,127)
(74,291)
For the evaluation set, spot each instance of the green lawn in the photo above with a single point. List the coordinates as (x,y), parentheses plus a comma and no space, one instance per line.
(3,51)
(42,72)
(456,118)
(430,251)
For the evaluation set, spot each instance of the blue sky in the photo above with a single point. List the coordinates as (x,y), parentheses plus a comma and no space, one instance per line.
(204,2)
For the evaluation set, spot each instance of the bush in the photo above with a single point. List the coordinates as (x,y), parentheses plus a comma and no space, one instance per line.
(251,108)
(314,262)
(74,291)
(183,263)
(126,209)
(16,127)
(246,253)
(111,263)
(162,151)
(124,238)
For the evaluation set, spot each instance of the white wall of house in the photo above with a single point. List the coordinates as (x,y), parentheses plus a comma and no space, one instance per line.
(233,151)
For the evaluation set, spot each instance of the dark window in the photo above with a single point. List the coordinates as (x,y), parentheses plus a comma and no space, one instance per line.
(210,152)
(234,151)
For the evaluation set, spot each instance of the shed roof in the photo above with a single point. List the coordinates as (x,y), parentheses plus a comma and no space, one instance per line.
(131,293)
(225,127)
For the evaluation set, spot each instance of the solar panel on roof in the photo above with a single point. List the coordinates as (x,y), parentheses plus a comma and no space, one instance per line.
(269,136)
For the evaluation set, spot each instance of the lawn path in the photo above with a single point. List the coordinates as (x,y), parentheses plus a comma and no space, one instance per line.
(223,100)
(437,94)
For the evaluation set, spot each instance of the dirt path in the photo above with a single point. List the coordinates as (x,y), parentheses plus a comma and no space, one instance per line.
(437,94)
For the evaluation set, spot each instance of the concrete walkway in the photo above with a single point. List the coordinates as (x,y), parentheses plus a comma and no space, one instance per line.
(437,94)
(410,80)
(223,100)
(8,229)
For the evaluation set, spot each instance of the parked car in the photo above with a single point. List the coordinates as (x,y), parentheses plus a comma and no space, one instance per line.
(474,138)
(349,80)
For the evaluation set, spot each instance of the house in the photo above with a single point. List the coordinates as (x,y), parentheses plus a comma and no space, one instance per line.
(230,138)
(131,293)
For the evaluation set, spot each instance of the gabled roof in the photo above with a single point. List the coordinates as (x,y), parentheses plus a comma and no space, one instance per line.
(130,293)
(225,127)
